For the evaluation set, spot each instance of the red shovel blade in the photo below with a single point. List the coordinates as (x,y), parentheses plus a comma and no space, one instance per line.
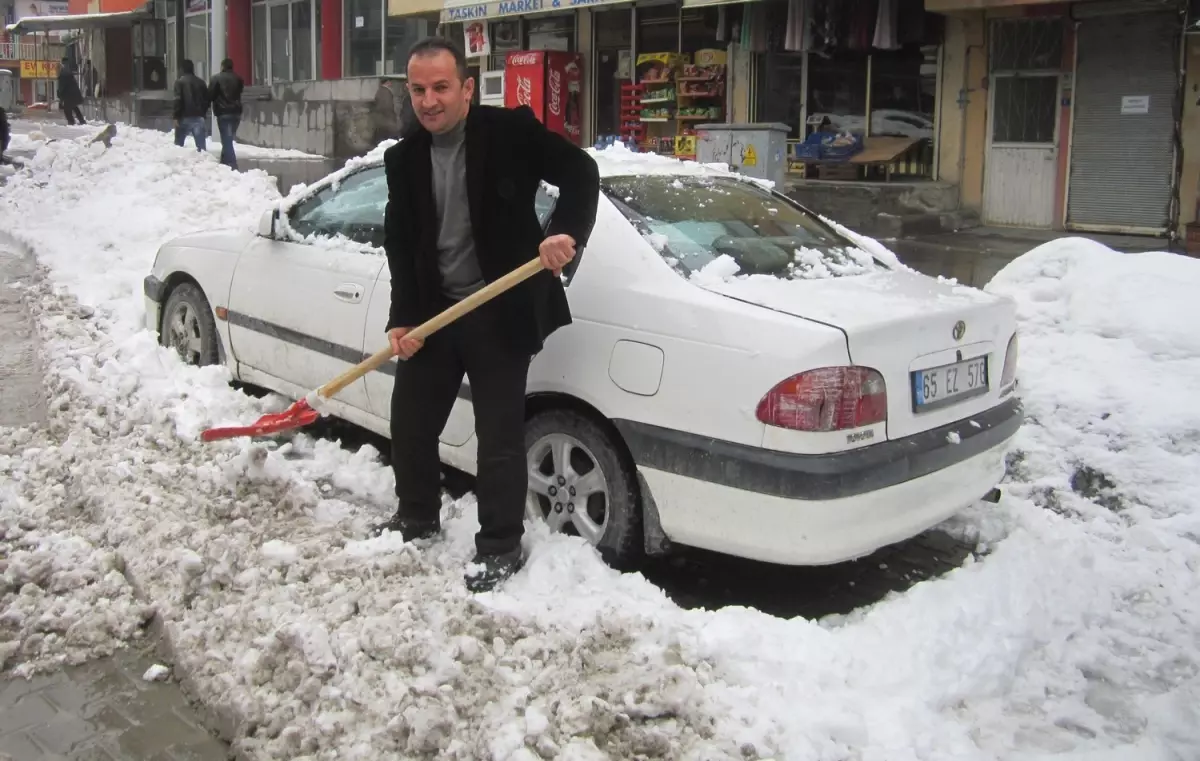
(296,416)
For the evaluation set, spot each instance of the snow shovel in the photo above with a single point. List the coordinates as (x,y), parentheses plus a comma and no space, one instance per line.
(304,412)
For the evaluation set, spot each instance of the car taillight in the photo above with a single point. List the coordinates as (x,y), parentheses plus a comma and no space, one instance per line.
(826,399)
(1009,374)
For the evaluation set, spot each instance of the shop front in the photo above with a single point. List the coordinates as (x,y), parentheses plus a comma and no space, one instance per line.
(867,70)
(644,73)
(1124,140)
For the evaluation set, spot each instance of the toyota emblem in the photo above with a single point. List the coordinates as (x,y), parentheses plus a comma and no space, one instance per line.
(960,330)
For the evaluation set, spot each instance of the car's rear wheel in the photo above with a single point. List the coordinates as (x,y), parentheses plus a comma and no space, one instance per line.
(188,326)
(580,484)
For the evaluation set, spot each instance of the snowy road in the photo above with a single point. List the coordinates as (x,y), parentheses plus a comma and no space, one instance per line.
(1073,637)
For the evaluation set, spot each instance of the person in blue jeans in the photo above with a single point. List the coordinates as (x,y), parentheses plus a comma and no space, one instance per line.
(191,106)
(225,94)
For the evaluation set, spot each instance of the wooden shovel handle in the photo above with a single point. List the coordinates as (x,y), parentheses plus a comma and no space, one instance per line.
(434,324)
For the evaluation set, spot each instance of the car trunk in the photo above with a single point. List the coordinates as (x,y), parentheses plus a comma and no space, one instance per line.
(897,323)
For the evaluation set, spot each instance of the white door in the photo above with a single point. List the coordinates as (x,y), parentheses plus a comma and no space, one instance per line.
(1021,169)
(298,310)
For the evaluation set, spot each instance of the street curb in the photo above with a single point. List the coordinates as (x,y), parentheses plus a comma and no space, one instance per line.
(221,721)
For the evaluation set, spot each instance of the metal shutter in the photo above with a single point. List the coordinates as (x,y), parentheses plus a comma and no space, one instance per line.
(1122,165)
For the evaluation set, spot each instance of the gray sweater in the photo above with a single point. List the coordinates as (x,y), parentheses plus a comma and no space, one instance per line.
(457,261)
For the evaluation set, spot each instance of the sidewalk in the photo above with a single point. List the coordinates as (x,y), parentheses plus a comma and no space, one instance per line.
(103,710)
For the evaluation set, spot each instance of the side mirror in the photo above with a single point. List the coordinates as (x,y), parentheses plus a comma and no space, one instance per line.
(266,223)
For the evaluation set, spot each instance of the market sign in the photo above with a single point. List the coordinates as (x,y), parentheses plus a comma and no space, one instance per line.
(455,12)
(39,69)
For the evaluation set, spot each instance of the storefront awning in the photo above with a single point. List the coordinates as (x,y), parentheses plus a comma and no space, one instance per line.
(413,7)
(710,3)
(34,24)
(456,11)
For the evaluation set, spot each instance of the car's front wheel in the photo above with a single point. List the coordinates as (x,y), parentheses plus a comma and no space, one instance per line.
(579,484)
(188,326)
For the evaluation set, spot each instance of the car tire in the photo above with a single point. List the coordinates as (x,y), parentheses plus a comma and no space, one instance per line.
(188,326)
(612,511)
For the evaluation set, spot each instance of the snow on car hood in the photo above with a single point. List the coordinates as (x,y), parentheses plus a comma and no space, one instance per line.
(228,239)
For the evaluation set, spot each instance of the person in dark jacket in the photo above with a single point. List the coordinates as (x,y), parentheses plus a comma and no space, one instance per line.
(461,214)
(5,135)
(191,106)
(70,97)
(225,94)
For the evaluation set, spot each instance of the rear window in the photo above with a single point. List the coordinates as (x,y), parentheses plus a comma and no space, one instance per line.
(720,222)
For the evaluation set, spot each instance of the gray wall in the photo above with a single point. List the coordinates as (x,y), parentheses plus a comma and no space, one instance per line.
(337,118)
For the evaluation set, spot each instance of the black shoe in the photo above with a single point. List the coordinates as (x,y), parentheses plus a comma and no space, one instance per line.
(412,531)
(487,571)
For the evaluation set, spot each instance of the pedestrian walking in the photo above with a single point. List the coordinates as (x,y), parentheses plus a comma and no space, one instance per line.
(461,214)
(225,94)
(70,97)
(5,134)
(191,106)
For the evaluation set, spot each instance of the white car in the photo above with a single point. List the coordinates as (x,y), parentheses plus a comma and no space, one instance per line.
(811,409)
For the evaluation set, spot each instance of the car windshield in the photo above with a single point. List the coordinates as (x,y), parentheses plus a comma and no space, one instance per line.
(695,222)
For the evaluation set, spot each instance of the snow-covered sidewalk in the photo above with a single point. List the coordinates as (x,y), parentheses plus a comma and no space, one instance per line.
(1074,637)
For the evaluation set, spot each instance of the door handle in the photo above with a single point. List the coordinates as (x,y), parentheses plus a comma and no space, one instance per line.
(349,292)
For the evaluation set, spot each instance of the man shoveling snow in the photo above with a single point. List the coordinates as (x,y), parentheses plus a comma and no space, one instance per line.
(480,226)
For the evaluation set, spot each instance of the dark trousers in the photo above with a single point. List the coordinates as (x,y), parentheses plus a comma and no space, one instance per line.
(73,114)
(227,125)
(422,398)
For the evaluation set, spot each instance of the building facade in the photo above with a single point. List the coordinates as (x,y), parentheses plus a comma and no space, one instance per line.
(1076,116)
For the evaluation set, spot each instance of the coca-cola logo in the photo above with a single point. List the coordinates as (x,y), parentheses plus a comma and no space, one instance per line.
(555,92)
(523,59)
(524,91)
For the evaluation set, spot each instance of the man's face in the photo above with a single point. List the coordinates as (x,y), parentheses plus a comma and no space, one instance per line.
(439,97)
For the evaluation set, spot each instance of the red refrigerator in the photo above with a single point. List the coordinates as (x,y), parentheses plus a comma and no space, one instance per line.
(547,81)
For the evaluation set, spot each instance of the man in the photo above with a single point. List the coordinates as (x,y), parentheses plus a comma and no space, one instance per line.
(4,134)
(191,107)
(460,214)
(225,94)
(70,97)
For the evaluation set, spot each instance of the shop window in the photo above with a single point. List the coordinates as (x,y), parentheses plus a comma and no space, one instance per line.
(658,29)
(364,37)
(903,91)
(837,93)
(614,65)
(506,37)
(779,84)
(402,33)
(874,82)
(258,43)
(197,44)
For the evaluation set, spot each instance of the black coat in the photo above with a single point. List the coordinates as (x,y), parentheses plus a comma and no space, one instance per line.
(4,133)
(191,97)
(508,153)
(225,94)
(69,93)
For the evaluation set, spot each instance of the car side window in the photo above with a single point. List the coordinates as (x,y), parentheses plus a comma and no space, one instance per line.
(353,207)
(544,202)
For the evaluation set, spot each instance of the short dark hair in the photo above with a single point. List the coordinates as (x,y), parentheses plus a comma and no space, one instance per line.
(187,67)
(227,64)
(435,44)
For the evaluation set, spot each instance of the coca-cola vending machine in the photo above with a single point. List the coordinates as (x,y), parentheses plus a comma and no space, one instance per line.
(547,81)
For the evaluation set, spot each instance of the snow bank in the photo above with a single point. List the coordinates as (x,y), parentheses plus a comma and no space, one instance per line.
(1074,638)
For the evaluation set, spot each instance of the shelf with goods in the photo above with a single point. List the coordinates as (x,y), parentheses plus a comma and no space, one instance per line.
(678,94)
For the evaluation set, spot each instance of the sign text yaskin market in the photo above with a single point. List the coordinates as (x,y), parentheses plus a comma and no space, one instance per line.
(474,11)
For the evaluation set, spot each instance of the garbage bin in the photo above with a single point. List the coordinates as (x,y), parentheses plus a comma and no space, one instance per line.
(755,150)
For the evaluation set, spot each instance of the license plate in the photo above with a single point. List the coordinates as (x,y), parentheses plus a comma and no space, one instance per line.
(936,386)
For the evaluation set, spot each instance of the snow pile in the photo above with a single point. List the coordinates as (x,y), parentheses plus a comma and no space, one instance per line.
(1074,638)
(63,596)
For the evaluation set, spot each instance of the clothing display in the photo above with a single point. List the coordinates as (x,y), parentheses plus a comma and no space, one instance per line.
(823,26)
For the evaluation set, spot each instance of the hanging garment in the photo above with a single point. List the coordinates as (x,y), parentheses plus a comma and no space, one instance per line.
(885,26)
(722,27)
(911,22)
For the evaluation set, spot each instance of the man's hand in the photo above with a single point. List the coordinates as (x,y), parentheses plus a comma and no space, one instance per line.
(556,251)
(404,346)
